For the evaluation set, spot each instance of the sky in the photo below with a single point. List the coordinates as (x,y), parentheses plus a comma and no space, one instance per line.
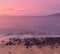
(29,7)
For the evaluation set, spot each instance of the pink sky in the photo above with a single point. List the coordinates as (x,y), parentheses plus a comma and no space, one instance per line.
(29,7)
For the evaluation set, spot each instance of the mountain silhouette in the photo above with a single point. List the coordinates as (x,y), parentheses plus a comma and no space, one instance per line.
(56,14)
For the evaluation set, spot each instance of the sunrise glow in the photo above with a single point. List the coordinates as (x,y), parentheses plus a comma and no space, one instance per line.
(29,7)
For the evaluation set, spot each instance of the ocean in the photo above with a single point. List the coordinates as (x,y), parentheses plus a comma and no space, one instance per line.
(29,24)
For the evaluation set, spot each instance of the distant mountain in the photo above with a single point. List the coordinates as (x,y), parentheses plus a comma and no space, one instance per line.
(56,14)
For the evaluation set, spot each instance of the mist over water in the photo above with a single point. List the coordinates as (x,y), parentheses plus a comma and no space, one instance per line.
(35,24)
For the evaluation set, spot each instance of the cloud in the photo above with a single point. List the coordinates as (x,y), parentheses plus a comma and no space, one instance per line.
(22,10)
(8,9)
(11,9)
